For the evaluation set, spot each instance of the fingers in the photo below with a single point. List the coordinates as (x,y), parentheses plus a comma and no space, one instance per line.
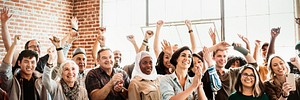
(118,77)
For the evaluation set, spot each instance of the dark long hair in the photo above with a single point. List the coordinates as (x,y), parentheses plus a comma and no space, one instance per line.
(258,88)
(176,54)
(160,67)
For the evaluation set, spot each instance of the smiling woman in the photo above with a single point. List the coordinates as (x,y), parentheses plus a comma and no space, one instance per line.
(248,85)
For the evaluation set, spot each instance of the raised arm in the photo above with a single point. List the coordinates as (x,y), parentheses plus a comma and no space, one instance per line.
(274,33)
(49,84)
(213,76)
(131,39)
(212,35)
(6,74)
(245,39)
(192,37)
(159,24)
(99,43)
(256,49)
(148,35)
(57,43)
(245,52)
(5,33)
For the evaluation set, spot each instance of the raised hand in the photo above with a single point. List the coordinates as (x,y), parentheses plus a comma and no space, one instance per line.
(296,61)
(4,15)
(257,43)
(167,47)
(74,23)
(131,38)
(207,56)
(212,35)
(222,45)
(148,34)
(101,39)
(188,24)
(102,30)
(55,41)
(118,77)
(17,39)
(72,36)
(245,39)
(275,32)
(159,23)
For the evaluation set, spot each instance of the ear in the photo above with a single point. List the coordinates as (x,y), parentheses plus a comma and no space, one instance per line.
(19,63)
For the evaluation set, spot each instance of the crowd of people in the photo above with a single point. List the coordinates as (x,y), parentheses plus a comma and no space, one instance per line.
(173,73)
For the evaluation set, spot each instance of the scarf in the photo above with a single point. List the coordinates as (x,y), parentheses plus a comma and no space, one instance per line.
(71,94)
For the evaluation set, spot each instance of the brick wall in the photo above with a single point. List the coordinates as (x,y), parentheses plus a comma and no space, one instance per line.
(42,19)
(87,13)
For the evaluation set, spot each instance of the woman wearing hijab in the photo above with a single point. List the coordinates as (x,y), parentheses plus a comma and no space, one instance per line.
(144,84)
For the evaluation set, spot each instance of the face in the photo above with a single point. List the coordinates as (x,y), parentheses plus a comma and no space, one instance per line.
(198,64)
(264,51)
(248,78)
(27,65)
(80,60)
(166,59)
(34,46)
(236,64)
(106,59)
(117,56)
(184,60)
(146,65)
(69,73)
(220,58)
(278,66)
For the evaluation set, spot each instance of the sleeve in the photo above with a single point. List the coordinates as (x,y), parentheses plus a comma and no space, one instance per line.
(166,89)
(66,48)
(6,76)
(126,79)
(134,91)
(215,80)
(92,82)
(270,92)
(49,84)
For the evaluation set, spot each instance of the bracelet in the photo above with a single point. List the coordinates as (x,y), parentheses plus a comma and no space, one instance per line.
(146,41)
(49,65)
(145,44)
(190,31)
(60,48)
(75,29)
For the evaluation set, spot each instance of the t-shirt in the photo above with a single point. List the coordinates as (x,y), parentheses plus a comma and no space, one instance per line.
(240,96)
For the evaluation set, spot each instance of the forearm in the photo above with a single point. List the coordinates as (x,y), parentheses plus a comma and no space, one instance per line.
(156,40)
(95,49)
(101,94)
(193,42)
(66,49)
(49,84)
(9,56)
(60,57)
(136,48)
(5,36)
(255,53)
(201,93)
(144,45)
(214,79)
(271,49)
(248,46)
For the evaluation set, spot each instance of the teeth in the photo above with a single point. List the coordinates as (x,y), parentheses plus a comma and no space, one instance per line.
(185,63)
(29,69)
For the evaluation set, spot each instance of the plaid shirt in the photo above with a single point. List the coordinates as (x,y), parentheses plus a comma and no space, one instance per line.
(97,78)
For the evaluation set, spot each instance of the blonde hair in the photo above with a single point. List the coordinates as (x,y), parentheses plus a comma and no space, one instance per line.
(271,73)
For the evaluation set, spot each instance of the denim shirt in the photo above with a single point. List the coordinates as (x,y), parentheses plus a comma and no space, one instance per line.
(170,86)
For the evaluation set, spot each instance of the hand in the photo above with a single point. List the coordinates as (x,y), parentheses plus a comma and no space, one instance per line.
(55,41)
(297,20)
(188,24)
(212,33)
(119,86)
(131,38)
(118,77)
(167,47)
(257,43)
(17,39)
(207,56)
(245,39)
(4,15)
(295,61)
(52,55)
(74,23)
(159,23)
(148,34)
(102,30)
(275,32)
(286,87)
(72,36)
(197,78)
(101,39)
(222,45)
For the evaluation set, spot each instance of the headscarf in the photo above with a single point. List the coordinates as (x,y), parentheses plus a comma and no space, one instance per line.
(137,70)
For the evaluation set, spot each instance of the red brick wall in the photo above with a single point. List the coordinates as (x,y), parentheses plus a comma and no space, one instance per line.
(87,13)
(43,19)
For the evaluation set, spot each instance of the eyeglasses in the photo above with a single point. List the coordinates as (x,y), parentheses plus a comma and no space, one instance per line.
(244,75)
